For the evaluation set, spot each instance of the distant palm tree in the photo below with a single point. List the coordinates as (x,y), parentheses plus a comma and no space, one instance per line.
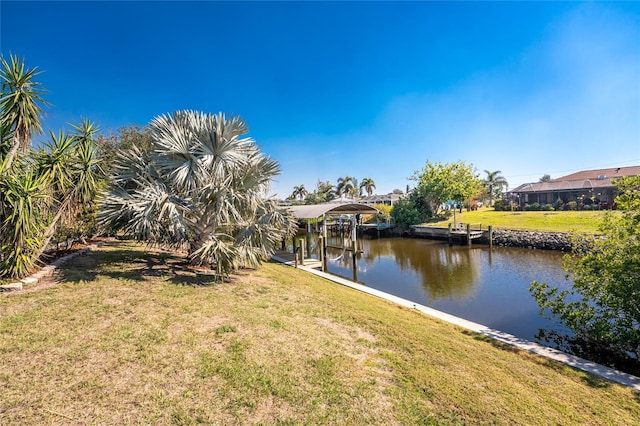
(494,183)
(21,104)
(325,191)
(345,186)
(368,184)
(299,192)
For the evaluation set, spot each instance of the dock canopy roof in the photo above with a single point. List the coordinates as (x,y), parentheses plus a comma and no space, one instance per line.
(317,210)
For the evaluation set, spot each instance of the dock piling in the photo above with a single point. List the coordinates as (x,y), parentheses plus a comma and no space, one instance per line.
(354,258)
(490,236)
(302,253)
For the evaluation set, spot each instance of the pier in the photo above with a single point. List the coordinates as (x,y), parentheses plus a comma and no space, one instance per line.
(461,232)
(346,219)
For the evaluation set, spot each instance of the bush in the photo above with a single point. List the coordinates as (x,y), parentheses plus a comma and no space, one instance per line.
(572,205)
(385,212)
(587,207)
(511,207)
(532,207)
(558,204)
(498,205)
(405,214)
(548,208)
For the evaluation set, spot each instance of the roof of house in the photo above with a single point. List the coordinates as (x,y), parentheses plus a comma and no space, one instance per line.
(380,199)
(601,173)
(587,179)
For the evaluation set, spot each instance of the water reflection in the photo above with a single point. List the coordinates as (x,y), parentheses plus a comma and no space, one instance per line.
(488,286)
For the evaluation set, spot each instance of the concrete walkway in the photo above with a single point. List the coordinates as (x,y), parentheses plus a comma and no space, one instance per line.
(556,355)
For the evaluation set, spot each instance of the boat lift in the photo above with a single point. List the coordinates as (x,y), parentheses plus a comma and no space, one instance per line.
(317,211)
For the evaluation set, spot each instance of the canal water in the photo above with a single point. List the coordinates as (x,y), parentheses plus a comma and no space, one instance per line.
(487,286)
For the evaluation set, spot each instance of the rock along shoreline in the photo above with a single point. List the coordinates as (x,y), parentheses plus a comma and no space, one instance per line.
(538,240)
(559,241)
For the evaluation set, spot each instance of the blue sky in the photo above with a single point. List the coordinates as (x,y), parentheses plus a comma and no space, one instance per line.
(364,89)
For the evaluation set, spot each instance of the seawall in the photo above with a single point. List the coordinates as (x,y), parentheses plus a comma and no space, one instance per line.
(560,241)
(530,239)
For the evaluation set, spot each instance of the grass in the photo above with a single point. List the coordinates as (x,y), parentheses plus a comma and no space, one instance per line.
(130,336)
(557,221)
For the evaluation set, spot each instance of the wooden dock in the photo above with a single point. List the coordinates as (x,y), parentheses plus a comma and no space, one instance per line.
(464,233)
(289,259)
(464,236)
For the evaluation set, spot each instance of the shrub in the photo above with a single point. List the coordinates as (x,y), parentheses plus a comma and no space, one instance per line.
(405,214)
(511,206)
(498,205)
(558,204)
(385,212)
(548,208)
(532,207)
(572,205)
(587,207)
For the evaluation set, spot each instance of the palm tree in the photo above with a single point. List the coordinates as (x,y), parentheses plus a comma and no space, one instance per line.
(202,186)
(494,183)
(21,104)
(325,191)
(345,186)
(299,192)
(368,184)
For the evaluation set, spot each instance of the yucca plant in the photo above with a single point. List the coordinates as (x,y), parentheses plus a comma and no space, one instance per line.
(203,187)
(21,103)
(21,206)
(69,167)
(39,190)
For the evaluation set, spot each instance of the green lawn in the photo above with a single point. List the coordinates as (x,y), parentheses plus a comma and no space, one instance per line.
(560,221)
(132,336)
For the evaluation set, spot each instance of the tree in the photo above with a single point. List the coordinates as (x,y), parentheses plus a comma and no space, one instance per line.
(125,138)
(405,213)
(70,168)
(545,178)
(323,193)
(601,308)
(494,183)
(356,190)
(21,220)
(21,103)
(439,183)
(368,184)
(38,190)
(52,188)
(202,186)
(299,192)
(345,186)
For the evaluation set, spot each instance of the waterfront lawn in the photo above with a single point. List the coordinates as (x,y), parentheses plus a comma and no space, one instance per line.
(132,336)
(557,221)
